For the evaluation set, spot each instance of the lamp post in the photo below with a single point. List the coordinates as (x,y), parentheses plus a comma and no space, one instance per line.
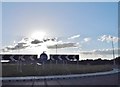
(56,48)
(56,45)
(113,53)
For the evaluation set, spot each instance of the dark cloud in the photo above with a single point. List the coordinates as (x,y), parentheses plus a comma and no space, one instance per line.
(36,41)
(44,40)
(16,47)
(62,45)
(20,46)
(27,42)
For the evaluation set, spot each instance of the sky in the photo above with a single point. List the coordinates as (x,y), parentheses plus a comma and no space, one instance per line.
(76,27)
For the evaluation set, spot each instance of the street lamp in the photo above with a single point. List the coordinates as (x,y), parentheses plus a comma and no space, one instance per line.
(56,48)
(56,45)
(113,52)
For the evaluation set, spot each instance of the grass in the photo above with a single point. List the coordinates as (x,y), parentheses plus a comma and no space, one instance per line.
(9,70)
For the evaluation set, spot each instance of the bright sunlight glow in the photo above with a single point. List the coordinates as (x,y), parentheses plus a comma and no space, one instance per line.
(38,35)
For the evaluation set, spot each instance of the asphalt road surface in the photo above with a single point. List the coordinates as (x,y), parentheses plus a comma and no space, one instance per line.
(112,79)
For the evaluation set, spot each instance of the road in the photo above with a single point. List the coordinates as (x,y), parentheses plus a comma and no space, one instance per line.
(110,79)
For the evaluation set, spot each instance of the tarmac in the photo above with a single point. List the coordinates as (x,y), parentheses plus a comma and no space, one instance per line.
(101,78)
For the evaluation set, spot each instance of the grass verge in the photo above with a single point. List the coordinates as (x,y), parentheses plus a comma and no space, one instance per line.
(13,70)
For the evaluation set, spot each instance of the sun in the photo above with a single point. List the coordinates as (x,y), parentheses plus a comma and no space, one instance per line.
(38,35)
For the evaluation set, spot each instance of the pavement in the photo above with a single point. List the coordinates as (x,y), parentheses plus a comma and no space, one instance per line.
(101,78)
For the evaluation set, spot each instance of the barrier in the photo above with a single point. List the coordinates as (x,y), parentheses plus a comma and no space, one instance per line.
(64,57)
(19,57)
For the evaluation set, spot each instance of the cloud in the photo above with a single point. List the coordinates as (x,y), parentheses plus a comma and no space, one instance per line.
(6,49)
(50,43)
(36,41)
(87,39)
(25,40)
(62,45)
(74,37)
(22,44)
(16,47)
(108,38)
(101,51)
